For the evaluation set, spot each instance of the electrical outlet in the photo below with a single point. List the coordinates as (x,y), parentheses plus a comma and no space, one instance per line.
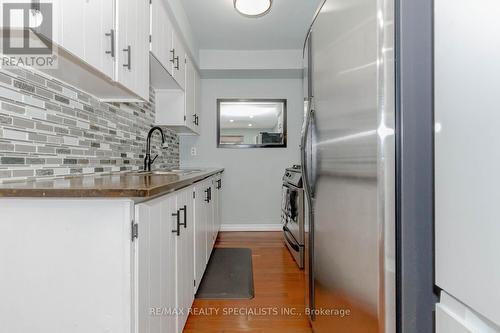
(193,151)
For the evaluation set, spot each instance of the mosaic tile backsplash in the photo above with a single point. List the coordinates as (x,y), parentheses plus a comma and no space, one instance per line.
(49,129)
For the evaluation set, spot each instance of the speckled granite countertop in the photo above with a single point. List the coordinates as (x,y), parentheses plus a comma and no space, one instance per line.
(119,185)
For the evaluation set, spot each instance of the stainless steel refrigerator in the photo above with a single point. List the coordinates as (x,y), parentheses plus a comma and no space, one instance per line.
(348,157)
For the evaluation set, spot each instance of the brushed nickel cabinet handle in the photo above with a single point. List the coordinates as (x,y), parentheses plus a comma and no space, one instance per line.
(128,65)
(177,60)
(111,34)
(173,56)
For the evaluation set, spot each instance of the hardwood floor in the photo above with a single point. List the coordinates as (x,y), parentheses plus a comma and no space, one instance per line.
(278,305)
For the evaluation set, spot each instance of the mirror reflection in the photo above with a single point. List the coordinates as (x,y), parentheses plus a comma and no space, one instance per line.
(251,123)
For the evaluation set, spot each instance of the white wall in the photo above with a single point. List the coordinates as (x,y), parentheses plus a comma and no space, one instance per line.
(255,64)
(250,59)
(252,177)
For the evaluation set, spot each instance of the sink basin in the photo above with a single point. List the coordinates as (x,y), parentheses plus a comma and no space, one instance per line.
(167,172)
(184,170)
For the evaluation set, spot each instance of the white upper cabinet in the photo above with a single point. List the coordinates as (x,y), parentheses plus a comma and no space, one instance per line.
(100,35)
(197,100)
(162,36)
(190,85)
(174,109)
(86,29)
(132,63)
(72,26)
(168,53)
(116,49)
(109,40)
(180,109)
(179,68)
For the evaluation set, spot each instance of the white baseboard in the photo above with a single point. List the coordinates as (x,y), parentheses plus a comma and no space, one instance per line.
(251,227)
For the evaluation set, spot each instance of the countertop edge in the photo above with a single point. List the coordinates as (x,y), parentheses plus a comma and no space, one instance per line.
(134,194)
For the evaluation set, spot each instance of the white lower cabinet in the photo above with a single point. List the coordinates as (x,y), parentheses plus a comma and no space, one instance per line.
(217,204)
(209,212)
(176,235)
(156,265)
(200,232)
(184,256)
(165,261)
(207,223)
(121,266)
(68,266)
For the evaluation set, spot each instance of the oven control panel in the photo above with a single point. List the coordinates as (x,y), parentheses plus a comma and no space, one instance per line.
(293,176)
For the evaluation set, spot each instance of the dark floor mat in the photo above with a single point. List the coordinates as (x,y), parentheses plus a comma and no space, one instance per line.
(229,275)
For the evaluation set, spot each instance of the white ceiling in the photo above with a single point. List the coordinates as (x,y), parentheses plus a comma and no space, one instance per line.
(216,25)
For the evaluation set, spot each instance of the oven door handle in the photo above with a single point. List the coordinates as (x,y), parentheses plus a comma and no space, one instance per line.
(294,245)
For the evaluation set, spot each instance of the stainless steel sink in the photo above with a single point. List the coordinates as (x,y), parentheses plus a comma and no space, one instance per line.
(178,172)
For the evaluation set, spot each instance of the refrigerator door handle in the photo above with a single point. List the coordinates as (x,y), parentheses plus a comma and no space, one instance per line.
(309,115)
(303,148)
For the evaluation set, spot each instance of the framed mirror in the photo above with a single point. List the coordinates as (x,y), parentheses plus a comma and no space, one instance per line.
(251,123)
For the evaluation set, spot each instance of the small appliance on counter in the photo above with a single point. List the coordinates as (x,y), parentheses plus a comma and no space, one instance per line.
(292,213)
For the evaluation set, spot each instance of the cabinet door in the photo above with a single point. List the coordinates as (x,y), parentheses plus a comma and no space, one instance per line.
(140,53)
(209,209)
(155,267)
(467,227)
(180,61)
(168,263)
(99,35)
(215,213)
(85,29)
(185,257)
(217,204)
(161,34)
(72,26)
(133,46)
(70,261)
(190,95)
(124,75)
(197,100)
(200,232)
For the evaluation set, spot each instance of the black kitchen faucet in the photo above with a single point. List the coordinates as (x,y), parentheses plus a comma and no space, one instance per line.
(147,160)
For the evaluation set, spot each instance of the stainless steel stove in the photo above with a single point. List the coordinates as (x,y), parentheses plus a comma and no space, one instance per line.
(292,213)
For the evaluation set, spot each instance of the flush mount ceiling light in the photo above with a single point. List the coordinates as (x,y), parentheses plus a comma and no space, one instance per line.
(253,8)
